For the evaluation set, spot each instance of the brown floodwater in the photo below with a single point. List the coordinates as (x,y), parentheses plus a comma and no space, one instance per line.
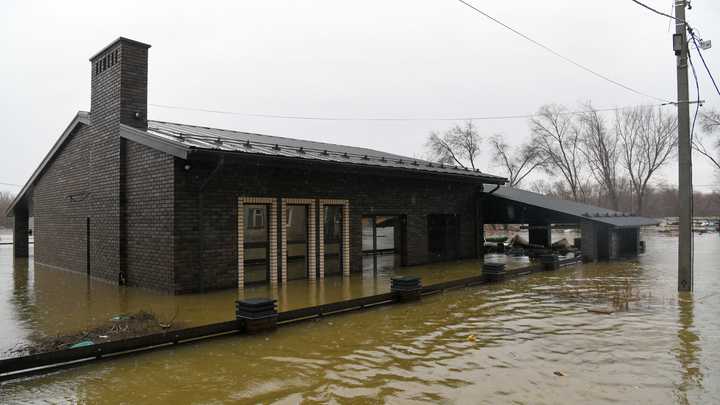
(662,351)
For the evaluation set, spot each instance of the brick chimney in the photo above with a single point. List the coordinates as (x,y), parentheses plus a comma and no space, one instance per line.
(118,96)
(119,84)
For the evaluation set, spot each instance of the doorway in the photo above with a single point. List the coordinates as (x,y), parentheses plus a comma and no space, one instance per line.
(382,242)
(296,229)
(332,238)
(443,237)
(256,243)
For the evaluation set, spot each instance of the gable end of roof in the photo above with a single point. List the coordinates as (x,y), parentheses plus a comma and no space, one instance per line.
(26,194)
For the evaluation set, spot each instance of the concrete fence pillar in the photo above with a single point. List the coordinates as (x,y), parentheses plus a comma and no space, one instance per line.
(495,271)
(409,287)
(260,315)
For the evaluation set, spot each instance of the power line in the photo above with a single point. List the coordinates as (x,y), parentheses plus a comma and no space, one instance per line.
(694,38)
(8,184)
(697,48)
(295,117)
(306,118)
(559,55)
(659,12)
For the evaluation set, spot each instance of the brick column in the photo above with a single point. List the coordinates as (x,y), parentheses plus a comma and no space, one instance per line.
(588,232)
(21,244)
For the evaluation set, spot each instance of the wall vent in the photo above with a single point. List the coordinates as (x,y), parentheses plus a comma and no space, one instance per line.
(105,63)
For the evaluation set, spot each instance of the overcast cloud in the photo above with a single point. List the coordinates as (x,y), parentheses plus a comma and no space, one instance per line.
(358,61)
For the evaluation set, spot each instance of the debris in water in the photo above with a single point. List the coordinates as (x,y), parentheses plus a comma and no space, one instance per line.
(471,338)
(139,324)
(560,373)
(600,311)
(82,344)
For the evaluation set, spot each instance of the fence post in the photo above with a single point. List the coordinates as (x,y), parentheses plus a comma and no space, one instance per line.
(495,271)
(259,313)
(550,262)
(408,286)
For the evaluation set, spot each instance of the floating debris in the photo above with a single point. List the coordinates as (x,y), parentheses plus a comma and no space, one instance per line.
(600,311)
(141,323)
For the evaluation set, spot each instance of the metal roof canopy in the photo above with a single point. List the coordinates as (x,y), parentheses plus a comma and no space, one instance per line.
(514,206)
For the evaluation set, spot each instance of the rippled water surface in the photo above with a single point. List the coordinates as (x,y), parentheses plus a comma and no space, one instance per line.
(662,351)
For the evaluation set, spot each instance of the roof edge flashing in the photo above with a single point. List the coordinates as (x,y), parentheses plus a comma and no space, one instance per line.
(81,118)
(140,136)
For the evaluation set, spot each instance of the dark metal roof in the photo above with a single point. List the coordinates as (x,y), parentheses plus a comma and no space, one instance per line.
(569,210)
(184,140)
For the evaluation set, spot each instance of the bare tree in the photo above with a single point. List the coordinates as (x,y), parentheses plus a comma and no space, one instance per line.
(601,152)
(455,146)
(710,125)
(6,198)
(649,140)
(541,186)
(517,162)
(556,138)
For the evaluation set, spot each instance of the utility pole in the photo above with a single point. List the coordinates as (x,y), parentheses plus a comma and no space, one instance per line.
(685,188)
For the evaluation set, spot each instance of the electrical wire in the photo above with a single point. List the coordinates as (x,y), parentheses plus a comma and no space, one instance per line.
(694,38)
(697,104)
(290,117)
(8,184)
(659,12)
(559,55)
(698,48)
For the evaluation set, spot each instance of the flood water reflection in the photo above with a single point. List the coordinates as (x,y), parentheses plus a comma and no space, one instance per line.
(663,350)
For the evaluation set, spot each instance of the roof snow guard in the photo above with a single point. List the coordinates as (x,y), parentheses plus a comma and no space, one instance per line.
(185,140)
(608,215)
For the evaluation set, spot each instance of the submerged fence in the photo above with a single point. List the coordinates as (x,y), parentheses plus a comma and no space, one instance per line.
(20,365)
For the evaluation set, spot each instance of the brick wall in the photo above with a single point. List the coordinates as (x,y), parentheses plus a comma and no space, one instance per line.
(366,194)
(591,232)
(625,240)
(85,181)
(21,244)
(63,202)
(148,220)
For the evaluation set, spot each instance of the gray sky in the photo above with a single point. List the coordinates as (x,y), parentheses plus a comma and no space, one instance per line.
(356,60)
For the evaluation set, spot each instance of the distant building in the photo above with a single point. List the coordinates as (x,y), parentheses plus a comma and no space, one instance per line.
(180,208)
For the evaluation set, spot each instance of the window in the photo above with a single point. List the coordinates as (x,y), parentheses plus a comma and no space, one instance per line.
(255,218)
(288,217)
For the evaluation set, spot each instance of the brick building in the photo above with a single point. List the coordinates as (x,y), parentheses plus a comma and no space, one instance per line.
(179,208)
